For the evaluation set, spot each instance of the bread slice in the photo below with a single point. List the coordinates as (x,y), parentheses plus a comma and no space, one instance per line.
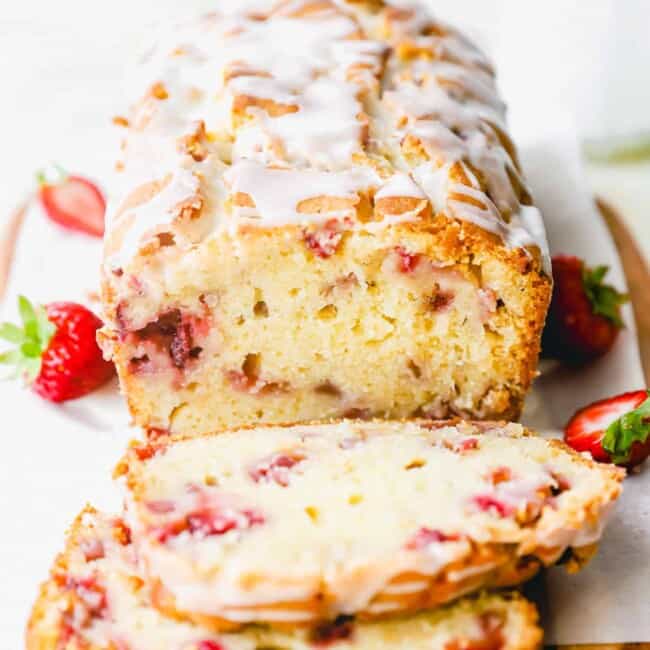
(294,524)
(94,600)
(322,216)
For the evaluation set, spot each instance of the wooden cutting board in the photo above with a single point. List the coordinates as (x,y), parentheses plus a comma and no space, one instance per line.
(638,282)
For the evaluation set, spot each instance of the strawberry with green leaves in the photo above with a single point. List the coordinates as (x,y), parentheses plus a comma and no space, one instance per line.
(56,351)
(613,430)
(585,314)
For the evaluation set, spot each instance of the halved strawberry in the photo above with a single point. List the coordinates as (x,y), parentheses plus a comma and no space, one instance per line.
(613,430)
(73,202)
(584,318)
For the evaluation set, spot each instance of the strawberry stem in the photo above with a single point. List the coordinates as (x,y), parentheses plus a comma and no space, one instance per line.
(621,435)
(605,299)
(60,175)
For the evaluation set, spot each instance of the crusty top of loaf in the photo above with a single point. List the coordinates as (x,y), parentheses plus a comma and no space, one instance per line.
(271,113)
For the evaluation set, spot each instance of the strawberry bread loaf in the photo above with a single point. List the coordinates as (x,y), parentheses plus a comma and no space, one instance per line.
(96,600)
(322,215)
(297,524)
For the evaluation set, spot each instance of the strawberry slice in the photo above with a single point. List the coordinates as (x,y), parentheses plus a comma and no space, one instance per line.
(613,430)
(73,202)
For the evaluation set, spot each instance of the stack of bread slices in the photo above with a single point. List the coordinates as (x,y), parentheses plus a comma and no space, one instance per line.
(323,222)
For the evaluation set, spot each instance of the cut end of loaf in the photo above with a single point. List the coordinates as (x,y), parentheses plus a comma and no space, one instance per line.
(390,324)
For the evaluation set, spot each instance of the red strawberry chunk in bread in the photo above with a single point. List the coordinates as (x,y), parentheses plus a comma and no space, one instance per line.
(215,522)
(276,468)
(426,536)
(208,523)
(209,645)
(489,503)
(93,549)
(325,241)
(90,602)
(407,262)
(205,515)
(468,444)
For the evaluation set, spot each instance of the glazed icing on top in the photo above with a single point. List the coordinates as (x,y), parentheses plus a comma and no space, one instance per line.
(365,504)
(271,104)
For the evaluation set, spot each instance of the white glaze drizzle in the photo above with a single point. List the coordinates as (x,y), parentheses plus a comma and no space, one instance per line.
(323,69)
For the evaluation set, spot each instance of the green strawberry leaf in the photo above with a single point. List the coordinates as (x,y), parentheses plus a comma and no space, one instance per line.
(28,316)
(31,340)
(605,299)
(10,357)
(621,434)
(11,333)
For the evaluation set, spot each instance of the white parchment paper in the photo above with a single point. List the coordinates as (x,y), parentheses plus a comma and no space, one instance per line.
(609,601)
(55,459)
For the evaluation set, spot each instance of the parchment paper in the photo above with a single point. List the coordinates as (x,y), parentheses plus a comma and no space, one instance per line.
(609,601)
(55,459)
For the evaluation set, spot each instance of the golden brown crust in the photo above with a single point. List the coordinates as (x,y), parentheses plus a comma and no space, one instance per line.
(45,628)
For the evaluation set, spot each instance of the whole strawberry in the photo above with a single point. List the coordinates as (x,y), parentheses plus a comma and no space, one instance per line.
(73,202)
(585,314)
(56,351)
(613,430)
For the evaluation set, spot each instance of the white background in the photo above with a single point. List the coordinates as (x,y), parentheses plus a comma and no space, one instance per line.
(565,67)
(577,65)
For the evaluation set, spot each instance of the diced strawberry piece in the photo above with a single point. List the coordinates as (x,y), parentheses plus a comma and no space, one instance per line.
(427,536)
(488,503)
(209,645)
(275,468)
(468,444)
(145,452)
(325,241)
(92,549)
(156,433)
(209,522)
(91,594)
(407,262)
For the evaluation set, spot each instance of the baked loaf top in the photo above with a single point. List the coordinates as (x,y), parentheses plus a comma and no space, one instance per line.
(96,600)
(297,523)
(275,113)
